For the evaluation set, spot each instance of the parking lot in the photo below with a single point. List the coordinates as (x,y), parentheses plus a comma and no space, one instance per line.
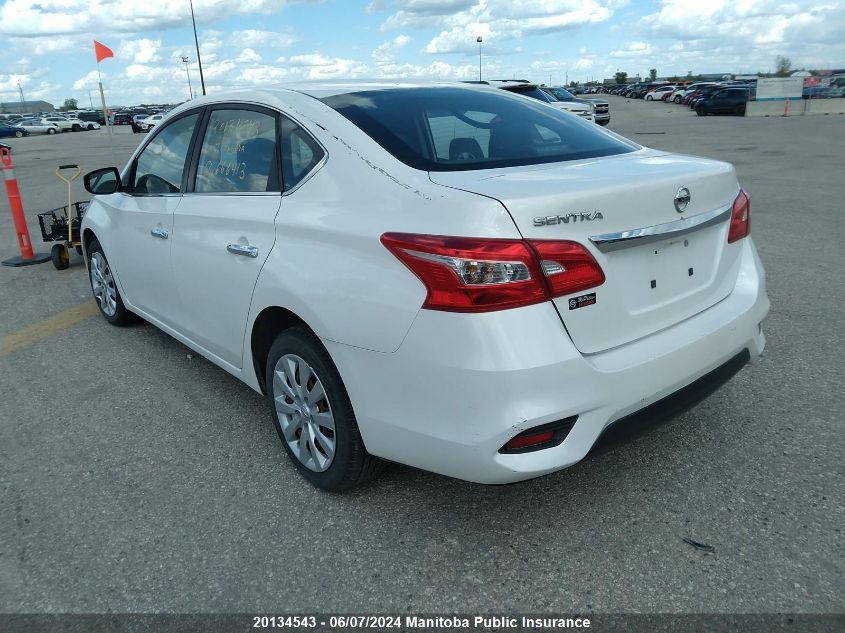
(136,476)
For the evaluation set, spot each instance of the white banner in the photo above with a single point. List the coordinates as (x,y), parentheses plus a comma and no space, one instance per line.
(779,88)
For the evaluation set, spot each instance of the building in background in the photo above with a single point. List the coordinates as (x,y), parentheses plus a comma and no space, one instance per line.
(25,107)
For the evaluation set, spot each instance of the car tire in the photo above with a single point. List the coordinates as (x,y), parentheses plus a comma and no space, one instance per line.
(315,421)
(700,111)
(104,287)
(649,98)
(677,99)
(18,134)
(740,110)
(603,123)
(75,127)
(51,130)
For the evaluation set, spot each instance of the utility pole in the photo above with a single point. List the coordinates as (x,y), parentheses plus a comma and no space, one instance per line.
(20,89)
(90,99)
(185,61)
(197,42)
(478,39)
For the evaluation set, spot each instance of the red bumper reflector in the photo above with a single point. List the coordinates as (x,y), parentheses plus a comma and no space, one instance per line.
(523,441)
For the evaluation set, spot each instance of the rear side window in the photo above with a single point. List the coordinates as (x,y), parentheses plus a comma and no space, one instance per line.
(300,153)
(160,166)
(238,153)
(456,129)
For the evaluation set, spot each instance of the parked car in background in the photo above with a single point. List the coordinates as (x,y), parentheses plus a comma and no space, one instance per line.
(151,121)
(702,93)
(533,91)
(137,118)
(64,123)
(92,116)
(7,130)
(38,126)
(121,118)
(725,101)
(462,280)
(600,107)
(658,93)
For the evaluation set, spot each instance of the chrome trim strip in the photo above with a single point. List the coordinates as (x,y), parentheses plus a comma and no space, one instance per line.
(609,242)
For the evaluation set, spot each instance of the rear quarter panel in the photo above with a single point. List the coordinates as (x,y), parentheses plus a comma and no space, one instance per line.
(328,265)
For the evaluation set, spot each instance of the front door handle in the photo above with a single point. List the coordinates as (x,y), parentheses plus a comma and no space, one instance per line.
(240,249)
(159,232)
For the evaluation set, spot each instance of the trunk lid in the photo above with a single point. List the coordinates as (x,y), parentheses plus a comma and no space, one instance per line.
(679,263)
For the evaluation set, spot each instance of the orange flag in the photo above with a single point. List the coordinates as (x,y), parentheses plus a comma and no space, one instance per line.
(101,51)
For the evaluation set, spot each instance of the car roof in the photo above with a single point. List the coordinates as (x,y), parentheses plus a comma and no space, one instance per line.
(323,89)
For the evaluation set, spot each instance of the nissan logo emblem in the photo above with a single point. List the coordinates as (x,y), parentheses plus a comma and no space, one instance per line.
(682,199)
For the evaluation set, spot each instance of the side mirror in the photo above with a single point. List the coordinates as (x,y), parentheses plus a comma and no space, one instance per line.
(102,181)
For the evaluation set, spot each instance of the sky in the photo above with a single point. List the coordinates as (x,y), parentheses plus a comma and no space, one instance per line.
(47,44)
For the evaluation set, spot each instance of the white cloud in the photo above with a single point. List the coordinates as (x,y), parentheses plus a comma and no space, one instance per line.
(62,17)
(86,82)
(385,52)
(139,51)
(253,38)
(248,56)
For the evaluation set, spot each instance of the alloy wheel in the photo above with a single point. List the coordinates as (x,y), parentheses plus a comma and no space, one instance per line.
(102,283)
(305,414)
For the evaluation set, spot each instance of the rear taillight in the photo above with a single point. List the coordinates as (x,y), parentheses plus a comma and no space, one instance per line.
(740,217)
(480,275)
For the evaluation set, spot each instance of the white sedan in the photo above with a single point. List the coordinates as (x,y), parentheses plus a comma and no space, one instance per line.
(65,124)
(148,123)
(657,93)
(38,126)
(454,278)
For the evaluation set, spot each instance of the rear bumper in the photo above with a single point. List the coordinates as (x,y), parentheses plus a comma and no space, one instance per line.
(461,385)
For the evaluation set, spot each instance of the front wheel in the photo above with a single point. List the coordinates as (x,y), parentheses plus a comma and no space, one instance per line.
(18,134)
(75,128)
(700,111)
(649,98)
(313,414)
(104,287)
(677,99)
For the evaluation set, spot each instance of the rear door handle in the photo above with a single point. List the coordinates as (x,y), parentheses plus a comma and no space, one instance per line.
(159,232)
(240,249)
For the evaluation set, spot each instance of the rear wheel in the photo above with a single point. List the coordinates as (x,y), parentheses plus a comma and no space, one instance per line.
(75,127)
(313,415)
(51,130)
(740,110)
(700,111)
(649,98)
(104,287)
(677,99)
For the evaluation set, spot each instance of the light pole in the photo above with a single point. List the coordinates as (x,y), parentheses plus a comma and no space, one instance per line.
(197,42)
(185,61)
(20,89)
(478,39)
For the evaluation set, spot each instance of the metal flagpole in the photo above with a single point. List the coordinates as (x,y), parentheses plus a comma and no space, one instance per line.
(106,114)
(197,42)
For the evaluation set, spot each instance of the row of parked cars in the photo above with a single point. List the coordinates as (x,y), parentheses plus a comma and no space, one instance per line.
(705,97)
(595,110)
(24,125)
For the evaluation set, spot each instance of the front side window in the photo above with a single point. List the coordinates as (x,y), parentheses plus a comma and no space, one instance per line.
(161,165)
(456,129)
(238,153)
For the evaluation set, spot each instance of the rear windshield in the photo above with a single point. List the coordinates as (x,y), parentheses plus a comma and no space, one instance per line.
(458,129)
